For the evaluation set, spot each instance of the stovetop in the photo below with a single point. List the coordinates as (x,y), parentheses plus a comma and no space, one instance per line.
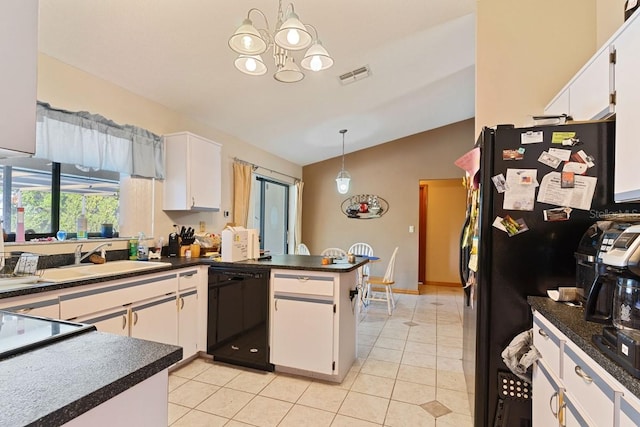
(20,333)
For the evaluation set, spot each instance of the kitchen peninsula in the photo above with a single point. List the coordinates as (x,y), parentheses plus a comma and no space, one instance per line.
(91,378)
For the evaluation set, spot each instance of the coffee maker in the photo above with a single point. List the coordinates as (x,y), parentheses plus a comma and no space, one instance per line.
(620,340)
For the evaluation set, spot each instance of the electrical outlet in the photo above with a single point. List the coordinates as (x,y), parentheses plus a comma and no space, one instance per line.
(202,226)
(226,214)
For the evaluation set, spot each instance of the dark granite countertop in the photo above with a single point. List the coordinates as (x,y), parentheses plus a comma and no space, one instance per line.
(570,321)
(52,385)
(293,262)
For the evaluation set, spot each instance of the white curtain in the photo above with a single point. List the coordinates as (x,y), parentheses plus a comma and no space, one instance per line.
(297,226)
(91,140)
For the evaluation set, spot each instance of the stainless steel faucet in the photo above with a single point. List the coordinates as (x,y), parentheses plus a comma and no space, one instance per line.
(78,252)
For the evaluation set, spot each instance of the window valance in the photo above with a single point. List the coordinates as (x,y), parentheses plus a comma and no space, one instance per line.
(91,140)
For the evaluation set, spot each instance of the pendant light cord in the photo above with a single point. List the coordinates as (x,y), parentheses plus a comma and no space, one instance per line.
(343,131)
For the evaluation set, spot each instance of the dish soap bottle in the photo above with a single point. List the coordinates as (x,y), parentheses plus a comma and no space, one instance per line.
(81,223)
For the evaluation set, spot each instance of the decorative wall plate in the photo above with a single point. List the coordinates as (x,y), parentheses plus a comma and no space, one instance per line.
(364,206)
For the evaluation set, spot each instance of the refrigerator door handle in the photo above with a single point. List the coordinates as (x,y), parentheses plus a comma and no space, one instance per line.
(463,267)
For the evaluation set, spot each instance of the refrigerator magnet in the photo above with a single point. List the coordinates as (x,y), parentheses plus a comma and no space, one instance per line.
(531,137)
(556,214)
(500,182)
(549,160)
(560,137)
(512,155)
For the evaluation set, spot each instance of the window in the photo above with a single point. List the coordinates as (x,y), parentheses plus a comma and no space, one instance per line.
(53,196)
(271,214)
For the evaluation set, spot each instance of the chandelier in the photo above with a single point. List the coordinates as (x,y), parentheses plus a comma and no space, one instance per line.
(343,178)
(290,34)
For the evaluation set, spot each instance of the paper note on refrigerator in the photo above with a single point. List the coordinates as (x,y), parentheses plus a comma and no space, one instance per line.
(578,197)
(521,192)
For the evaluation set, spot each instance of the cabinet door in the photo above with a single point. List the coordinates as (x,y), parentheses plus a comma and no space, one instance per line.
(626,184)
(589,92)
(155,320)
(574,416)
(546,400)
(112,321)
(18,50)
(188,322)
(559,104)
(302,333)
(205,174)
(629,411)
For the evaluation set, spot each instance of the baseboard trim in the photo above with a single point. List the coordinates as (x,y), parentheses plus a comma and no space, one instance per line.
(448,284)
(397,290)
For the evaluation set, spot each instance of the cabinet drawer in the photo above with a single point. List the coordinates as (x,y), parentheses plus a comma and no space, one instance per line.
(586,382)
(38,306)
(549,342)
(188,279)
(303,284)
(116,294)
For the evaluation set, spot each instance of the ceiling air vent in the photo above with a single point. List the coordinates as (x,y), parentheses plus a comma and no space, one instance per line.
(355,75)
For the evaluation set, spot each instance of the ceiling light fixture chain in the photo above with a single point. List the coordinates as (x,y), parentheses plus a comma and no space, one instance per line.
(290,34)
(343,179)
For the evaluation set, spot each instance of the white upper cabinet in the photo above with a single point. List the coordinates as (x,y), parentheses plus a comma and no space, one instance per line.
(18,76)
(589,93)
(627,45)
(193,173)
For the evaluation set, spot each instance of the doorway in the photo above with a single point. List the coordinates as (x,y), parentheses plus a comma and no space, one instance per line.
(272,214)
(440,219)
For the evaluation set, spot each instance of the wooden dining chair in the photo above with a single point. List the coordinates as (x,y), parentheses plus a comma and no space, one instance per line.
(334,252)
(386,281)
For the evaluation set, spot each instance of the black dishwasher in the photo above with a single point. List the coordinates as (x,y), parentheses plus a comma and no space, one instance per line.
(238,316)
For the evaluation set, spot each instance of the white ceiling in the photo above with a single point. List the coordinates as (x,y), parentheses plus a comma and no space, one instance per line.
(421,54)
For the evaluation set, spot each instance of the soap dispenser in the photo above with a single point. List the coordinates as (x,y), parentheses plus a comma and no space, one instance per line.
(81,223)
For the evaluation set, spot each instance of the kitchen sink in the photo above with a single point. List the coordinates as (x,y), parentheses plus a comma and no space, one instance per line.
(87,271)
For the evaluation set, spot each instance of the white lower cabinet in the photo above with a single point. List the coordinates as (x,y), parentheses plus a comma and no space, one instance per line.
(303,333)
(546,389)
(312,323)
(114,321)
(188,330)
(155,320)
(571,389)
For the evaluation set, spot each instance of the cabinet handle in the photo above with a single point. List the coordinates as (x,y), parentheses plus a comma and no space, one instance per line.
(276,305)
(303,278)
(579,372)
(554,396)
(124,321)
(193,201)
(181,303)
(135,318)
(543,333)
(24,310)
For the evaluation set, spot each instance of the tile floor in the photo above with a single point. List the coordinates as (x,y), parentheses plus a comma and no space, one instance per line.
(408,373)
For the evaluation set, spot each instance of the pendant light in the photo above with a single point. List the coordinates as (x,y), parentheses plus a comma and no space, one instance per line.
(344,177)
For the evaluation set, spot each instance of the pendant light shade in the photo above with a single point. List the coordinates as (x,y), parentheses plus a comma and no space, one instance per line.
(290,73)
(251,64)
(292,34)
(317,58)
(247,40)
(344,178)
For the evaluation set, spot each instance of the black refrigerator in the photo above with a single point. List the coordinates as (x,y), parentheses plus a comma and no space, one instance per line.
(534,250)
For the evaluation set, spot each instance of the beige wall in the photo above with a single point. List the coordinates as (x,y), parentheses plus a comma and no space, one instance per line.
(392,171)
(446,206)
(526,52)
(69,88)
(610,15)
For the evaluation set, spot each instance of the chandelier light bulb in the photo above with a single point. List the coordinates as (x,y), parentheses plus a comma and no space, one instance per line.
(247,42)
(251,64)
(316,63)
(293,36)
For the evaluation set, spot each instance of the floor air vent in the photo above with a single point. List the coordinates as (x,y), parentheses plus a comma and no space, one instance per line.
(355,75)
